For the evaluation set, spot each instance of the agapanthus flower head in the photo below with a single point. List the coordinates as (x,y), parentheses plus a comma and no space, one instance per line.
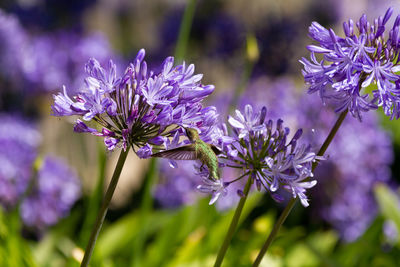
(365,59)
(266,153)
(344,195)
(136,108)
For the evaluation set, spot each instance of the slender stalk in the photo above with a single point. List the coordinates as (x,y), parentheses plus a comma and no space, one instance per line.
(184,30)
(250,60)
(104,207)
(232,226)
(252,54)
(95,199)
(292,202)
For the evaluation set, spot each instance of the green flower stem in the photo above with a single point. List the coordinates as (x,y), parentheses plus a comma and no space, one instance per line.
(104,207)
(184,31)
(250,60)
(95,199)
(252,55)
(293,201)
(232,226)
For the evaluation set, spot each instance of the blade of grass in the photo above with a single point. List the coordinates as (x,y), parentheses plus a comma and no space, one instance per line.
(94,202)
(184,31)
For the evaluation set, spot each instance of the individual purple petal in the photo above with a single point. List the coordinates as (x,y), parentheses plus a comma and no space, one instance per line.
(110,142)
(145,151)
(81,127)
(214,187)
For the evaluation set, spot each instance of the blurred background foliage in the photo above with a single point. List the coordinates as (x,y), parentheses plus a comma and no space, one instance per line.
(249,50)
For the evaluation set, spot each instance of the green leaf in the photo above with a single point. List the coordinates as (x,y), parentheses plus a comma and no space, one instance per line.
(116,236)
(388,203)
(300,255)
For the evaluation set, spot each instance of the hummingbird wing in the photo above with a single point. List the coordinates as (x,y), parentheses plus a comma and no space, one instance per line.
(216,150)
(180,153)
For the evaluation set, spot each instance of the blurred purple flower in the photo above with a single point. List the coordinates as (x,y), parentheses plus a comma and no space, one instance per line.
(50,14)
(391,232)
(44,62)
(176,186)
(45,195)
(18,144)
(352,63)
(13,48)
(50,197)
(136,108)
(346,195)
(57,59)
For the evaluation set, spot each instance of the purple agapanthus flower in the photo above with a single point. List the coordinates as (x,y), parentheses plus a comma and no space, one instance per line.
(57,58)
(13,44)
(18,143)
(176,185)
(40,62)
(266,154)
(51,195)
(136,108)
(364,60)
(46,194)
(344,194)
(356,165)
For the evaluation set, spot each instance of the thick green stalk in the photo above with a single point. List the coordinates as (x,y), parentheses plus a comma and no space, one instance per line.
(292,202)
(233,225)
(104,207)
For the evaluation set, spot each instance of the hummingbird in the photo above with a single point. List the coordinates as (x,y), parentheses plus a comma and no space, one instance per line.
(197,150)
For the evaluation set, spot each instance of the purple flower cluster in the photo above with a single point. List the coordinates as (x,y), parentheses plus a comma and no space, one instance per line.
(18,144)
(355,166)
(13,42)
(45,194)
(41,62)
(176,185)
(136,108)
(266,154)
(352,66)
(344,194)
(51,195)
(58,58)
